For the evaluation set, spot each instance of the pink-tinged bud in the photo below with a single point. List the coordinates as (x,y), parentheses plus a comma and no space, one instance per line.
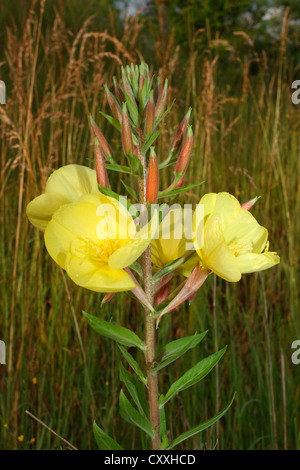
(136,151)
(185,154)
(127,88)
(141,84)
(180,133)
(105,147)
(101,172)
(127,141)
(115,109)
(118,92)
(248,205)
(162,101)
(150,116)
(152,179)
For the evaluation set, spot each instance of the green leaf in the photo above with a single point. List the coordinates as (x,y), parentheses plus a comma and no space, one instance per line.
(133,111)
(193,375)
(136,390)
(135,163)
(151,139)
(133,364)
(119,168)
(199,428)
(131,415)
(130,191)
(112,121)
(124,201)
(104,441)
(117,333)
(177,348)
(174,192)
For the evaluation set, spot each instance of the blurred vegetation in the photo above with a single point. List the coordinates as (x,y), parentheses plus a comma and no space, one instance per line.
(237,78)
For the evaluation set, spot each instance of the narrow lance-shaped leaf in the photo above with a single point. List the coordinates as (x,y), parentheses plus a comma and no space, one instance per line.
(193,375)
(131,415)
(200,428)
(135,389)
(104,441)
(117,333)
(133,364)
(177,348)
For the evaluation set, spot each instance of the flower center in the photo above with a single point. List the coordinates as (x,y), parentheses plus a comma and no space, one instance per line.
(100,251)
(240,247)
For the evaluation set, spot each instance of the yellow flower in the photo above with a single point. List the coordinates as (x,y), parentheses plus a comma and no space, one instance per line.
(229,241)
(94,239)
(65,185)
(173,243)
(21,438)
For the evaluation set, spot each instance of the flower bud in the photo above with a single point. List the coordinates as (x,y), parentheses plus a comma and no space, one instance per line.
(180,183)
(141,85)
(105,147)
(153,178)
(115,109)
(249,204)
(127,141)
(118,91)
(101,172)
(150,116)
(127,87)
(185,154)
(180,133)
(161,102)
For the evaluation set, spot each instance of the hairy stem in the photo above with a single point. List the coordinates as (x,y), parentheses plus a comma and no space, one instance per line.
(152,384)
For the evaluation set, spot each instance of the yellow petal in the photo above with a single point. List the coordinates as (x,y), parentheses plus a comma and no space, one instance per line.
(131,251)
(215,254)
(98,277)
(80,219)
(224,204)
(58,241)
(253,262)
(72,181)
(40,210)
(223,262)
(171,243)
(186,268)
(245,227)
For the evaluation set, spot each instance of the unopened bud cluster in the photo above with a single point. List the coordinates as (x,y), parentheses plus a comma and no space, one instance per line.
(138,106)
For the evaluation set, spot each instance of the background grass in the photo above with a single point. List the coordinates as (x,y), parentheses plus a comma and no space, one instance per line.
(247,143)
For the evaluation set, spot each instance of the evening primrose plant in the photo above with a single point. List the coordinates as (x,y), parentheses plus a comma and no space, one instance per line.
(108,243)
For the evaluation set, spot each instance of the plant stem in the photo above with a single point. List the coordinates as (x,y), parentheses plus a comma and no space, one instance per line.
(152,383)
